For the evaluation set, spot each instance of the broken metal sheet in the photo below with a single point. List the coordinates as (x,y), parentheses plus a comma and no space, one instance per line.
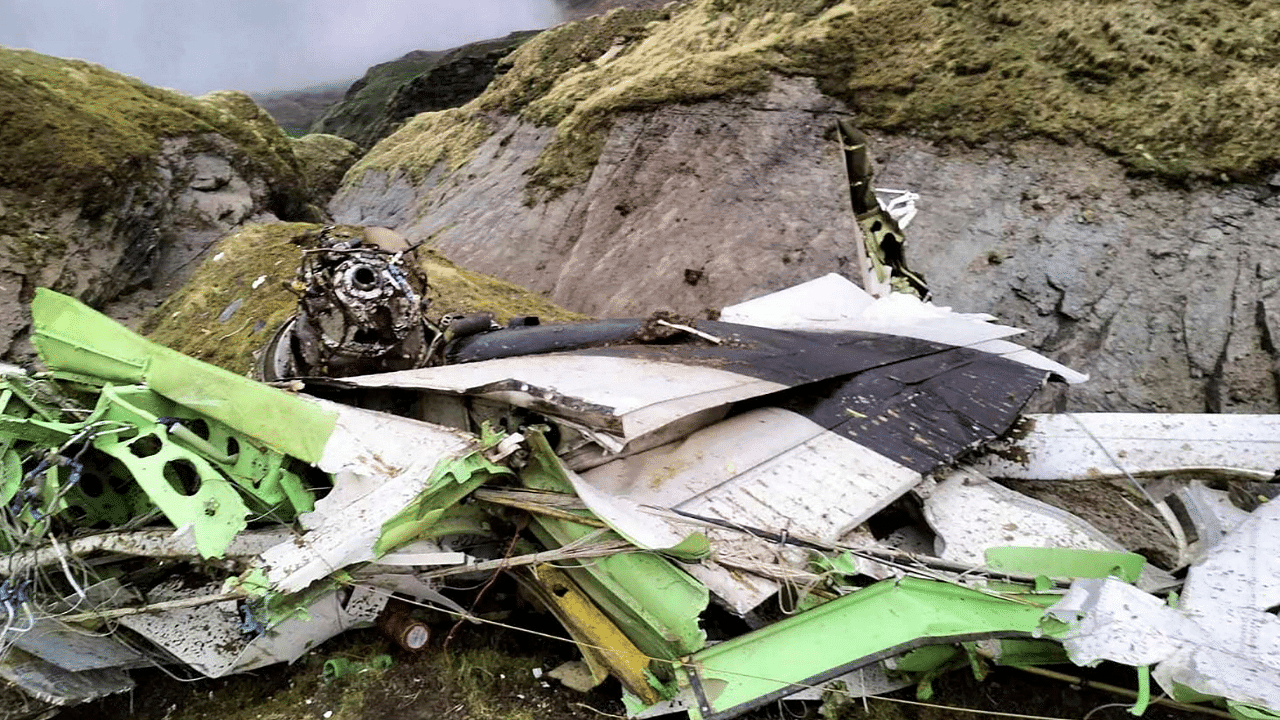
(77,649)
(1223,638)
(970,513)
(406,584)
(624,659)
(49,683)
(904,397)
(923,412)
(765,468)
(585,388)
(656,604)
(1210,512)
(832,303)
(410,461)
(853,631)
(216,639)
(71,337)
(1079,446)
(1235,590)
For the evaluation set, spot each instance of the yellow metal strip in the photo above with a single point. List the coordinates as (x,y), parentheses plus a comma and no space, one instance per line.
(588,624)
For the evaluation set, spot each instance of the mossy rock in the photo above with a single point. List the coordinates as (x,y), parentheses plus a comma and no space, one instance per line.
(324,160)
(421,81)
(1185,91)
(77,134)
(221,318)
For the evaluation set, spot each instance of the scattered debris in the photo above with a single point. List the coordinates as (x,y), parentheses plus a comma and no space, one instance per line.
(148,489)
(822,463)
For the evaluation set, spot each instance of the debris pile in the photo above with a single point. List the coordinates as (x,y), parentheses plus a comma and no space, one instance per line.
(816,463)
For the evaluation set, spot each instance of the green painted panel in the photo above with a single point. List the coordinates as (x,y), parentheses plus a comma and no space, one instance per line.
(71,337)
(1066,562)
(883,620)
(656,604)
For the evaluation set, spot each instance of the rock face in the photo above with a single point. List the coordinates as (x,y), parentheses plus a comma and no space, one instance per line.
(422,81)
(111,188)
(1167,297)
(455,78)
(690,208)
(324,159)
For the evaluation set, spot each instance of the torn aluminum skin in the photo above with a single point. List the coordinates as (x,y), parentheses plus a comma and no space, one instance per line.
(1222,639)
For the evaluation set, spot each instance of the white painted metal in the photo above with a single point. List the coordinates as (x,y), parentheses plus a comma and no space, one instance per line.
(1220,641)
(381,463)
(638,395)
(832,303)
(1078,446)
(209,638)
(1211,512)
(768,468)
(970,513)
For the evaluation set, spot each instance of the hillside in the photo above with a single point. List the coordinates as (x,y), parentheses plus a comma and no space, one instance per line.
(111,186)
(421,81)
(1088,170)
(295,111)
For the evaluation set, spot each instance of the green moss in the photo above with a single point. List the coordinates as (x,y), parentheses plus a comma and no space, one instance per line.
(363,104)
(79,135)
(1186,90)
(449,136)
(324,159)
(188,320)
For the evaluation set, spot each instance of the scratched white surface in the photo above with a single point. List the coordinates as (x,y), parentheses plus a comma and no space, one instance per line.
(770,469)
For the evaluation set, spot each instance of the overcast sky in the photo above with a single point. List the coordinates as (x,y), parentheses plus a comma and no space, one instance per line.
(256,45)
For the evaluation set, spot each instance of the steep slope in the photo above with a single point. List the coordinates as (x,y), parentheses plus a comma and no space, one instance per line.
(295,111)
(108,185)
(620,152)
(362,104)
(422,81)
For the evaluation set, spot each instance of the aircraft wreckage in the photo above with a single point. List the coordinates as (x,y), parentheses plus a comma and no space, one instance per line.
(818,462)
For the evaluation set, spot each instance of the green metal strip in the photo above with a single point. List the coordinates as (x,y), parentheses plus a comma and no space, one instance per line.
(853,631)
(71,337)
(1144,691)
(1066,562)
(451,480)
(656,604)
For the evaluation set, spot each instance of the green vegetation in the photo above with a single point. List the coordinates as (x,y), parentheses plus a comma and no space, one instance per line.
(324,160)
(188,320)
(392,92)
(78,135)
(363,104)
(1182,90)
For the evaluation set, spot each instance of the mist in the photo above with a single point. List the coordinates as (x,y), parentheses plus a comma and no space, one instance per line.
(197,46)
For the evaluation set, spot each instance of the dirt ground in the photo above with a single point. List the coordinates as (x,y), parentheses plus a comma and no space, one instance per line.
(487,673)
